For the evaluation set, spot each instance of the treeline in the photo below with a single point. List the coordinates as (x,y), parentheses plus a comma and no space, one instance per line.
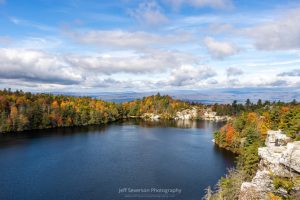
(245,133)
(157,104)
(25,111)
(236,108)
(248,126)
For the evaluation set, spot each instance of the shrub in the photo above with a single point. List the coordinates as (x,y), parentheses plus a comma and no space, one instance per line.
(285,183)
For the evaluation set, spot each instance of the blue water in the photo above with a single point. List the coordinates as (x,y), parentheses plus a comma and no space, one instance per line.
(96,162)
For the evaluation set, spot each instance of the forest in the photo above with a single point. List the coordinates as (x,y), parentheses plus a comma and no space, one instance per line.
(25,111)
(245,133)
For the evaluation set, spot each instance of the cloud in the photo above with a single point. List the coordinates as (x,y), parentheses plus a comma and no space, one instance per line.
(42,43)
(127,39)
(233,82)
(149,61)
(168,70)
(149,12)
(219,50)
(219,4)
(278,83)
(188,75)
(232,71)
(36,66)
(282,33)
(107,83)
(98,82)
(295,72)
(73,69)
(23,22)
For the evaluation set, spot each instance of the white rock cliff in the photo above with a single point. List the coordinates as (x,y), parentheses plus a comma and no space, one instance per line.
(280,158)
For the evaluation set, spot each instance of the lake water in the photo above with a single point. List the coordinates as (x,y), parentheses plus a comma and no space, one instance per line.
(122,160)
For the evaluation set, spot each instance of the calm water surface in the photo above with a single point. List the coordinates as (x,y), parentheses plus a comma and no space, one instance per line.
(96,162)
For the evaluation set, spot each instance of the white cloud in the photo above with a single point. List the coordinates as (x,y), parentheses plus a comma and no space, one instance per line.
(218,49)
(36,66)
(128,39)
(282,33)
(295,73)
(220,4)
(150,13)
(278,83)
(149,61)
(232,71)
(263,80)
(38,43)
(66,69)
(23,22)
(188,75)
(168,70)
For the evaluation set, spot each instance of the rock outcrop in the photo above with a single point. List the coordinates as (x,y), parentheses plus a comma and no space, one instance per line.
(291,156)
(151,116)
(187,114)
(212,116)
(280,158)
(276,138)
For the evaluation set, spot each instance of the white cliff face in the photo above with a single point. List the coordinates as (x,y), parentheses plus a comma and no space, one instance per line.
(212,116)
(151,116)
(291,156)
(260,185)
(270,157)
(280,158)
(187,114)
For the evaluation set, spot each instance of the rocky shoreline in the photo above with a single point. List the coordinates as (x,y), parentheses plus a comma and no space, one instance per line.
(188,114)
(279,170)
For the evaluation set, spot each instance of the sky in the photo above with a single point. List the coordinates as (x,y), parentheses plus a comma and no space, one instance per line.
(149,45)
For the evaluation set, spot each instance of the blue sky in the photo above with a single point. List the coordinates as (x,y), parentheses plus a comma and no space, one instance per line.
(136,45)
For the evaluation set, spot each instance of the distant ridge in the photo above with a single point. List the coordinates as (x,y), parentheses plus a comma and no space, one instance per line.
(206,96)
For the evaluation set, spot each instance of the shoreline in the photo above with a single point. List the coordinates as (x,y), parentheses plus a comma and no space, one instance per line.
(107,123)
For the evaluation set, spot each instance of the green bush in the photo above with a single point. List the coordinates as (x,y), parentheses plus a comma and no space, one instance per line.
(285,183)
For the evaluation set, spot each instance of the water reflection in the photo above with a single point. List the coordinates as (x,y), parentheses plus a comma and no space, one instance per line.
(14,138)
(195,124)
(93,162)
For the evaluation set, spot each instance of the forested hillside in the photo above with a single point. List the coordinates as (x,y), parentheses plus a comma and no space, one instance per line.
(236,108)
(245,133)
(254,125)
(157,104)
(24,111)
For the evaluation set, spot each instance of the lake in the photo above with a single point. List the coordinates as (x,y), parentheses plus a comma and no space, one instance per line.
(133,159)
